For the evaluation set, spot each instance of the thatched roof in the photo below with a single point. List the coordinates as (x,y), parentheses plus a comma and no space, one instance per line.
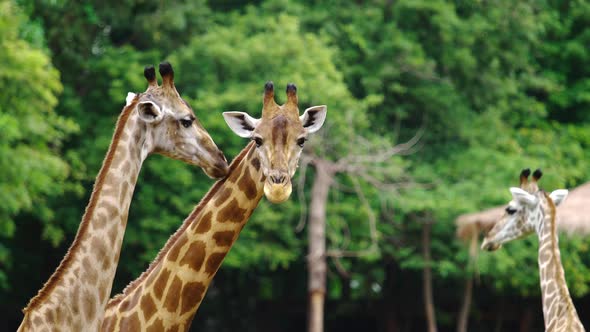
(573,216)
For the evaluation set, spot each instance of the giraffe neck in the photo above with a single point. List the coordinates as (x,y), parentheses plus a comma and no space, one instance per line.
(76,294)
(169,293)
(559,312)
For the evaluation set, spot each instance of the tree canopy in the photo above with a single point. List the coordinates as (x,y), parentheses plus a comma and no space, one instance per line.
(494,86)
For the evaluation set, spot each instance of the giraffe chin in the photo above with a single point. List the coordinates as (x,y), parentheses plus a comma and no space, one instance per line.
(277,192)
(487,246)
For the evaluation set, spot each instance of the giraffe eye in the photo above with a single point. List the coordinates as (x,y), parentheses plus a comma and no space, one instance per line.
(510,210)
(301,141)
(186,122)
(258,141)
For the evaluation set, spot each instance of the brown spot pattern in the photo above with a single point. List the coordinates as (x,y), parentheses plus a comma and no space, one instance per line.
(153,275)
(279,126)
(112,210)
(256,164)
(195,255)
(88,305)
(112,234)
(224,239)
(233,177)
(126,166)
(160,283)
(175,250)
(213,262)
(130,323)
(173,329)
(102,291)
(59,315)
(99,249)
(131,302)
(148,307)
(192,294)
(124,190)
(232,212)
(76,299)
(204,224)
(173,296)
(223,196)
(49,316)
(124,218)
(247,185)
(157,326)
(100,221)
(90,274)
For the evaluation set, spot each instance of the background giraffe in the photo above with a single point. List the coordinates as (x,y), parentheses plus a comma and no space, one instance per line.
(168,294)
(533,210)
(156,121)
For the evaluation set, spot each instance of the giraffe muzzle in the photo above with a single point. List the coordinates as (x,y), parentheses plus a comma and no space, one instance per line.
(489,246)
(277,188)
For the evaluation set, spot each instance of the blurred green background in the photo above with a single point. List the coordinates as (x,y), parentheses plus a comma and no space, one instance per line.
(494,86)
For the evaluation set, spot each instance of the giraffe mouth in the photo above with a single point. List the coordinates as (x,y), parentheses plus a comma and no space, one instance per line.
(489,246)
(277,192)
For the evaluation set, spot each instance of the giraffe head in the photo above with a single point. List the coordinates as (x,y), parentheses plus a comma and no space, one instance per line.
(524,212)
(172,127)
(279,135)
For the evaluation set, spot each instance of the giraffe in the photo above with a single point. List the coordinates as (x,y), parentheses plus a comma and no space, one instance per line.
(533,210)
(156,121)
(167,295)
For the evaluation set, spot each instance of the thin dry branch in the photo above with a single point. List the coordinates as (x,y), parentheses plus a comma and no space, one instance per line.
(340,268)
(374,156)
(304,162)
(373,234)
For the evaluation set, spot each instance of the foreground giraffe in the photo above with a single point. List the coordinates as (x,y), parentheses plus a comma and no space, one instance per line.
(533,210)
(167,296)
(156,121)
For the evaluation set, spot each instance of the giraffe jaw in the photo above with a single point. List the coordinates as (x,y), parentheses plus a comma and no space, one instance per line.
(277,192)
(489,246)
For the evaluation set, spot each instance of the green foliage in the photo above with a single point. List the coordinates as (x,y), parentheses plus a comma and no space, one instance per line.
(495,86)
(31,132)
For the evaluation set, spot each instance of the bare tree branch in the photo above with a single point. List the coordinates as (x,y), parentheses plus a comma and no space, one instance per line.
(379,155)
(304,162)
(373,233)
(340,268)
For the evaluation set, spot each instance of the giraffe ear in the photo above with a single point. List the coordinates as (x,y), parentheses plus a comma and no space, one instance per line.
(130,97)
(558,196)
(149,112)
(241,123)
(523,197)
(313,118)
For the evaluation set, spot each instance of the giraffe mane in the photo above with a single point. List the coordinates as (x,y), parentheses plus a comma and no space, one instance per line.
(185,224)
(98,184)
(559,277)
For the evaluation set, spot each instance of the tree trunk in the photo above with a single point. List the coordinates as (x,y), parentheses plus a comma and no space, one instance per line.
(427,279)
(463,319)
(526,320)
(316,258)
(389,315)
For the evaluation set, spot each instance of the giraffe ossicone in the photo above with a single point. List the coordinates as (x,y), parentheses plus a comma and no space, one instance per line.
(155,121)
(278,149)
(167,295)
(533,210)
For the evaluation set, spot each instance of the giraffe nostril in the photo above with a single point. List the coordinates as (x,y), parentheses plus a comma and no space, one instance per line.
(278,179)
(222,156)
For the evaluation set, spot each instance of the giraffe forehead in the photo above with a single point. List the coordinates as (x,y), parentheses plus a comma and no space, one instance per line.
(168,100)
(280,128)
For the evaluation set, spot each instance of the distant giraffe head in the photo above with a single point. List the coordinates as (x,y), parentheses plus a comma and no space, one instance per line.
(279,136)
(524,213)
(172,129)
